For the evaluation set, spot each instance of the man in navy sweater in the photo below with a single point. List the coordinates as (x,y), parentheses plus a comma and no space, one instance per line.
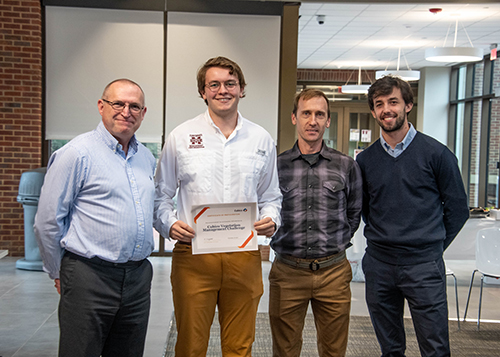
(414,204)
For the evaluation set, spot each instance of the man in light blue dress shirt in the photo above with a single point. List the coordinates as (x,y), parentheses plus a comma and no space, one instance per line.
(94,228)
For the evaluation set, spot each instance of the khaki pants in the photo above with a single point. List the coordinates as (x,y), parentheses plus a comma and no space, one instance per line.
(328,290)
(230,281)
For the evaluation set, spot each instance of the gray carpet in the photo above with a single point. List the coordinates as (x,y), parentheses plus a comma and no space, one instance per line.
(362,341)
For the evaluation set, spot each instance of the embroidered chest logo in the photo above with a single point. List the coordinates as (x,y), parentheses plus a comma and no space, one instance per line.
(196,141)
(261,152)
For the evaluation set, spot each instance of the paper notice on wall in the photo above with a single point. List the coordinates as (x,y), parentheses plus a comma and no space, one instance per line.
(366,136)
(356,152)
(354,135)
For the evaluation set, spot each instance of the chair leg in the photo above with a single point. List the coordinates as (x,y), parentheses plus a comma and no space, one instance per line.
(468,297)
(480,301)
(456,298)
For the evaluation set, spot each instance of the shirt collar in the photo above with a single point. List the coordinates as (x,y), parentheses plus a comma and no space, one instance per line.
(404,143)
(111,142)
(209,120)
(295,153)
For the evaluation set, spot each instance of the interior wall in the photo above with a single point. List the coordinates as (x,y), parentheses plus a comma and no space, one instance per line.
(253,41)
(433,102)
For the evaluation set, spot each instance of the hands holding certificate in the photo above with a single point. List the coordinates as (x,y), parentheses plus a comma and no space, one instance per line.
(183,232)
(265,227)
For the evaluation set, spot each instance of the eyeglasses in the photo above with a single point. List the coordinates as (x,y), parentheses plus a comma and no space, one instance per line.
(119,106)
(215,86)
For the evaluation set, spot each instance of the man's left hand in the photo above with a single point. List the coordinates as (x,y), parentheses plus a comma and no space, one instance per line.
(265,227)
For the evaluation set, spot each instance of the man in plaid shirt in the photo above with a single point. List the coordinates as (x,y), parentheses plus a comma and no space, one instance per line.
(322,197)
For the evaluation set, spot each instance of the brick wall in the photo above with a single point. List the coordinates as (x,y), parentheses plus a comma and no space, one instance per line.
(20,111)
(494,148)
(335,75)
(476,134)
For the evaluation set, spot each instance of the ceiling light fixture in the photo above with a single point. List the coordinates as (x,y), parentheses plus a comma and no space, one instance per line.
(407,75)
(454,54)
(355,88)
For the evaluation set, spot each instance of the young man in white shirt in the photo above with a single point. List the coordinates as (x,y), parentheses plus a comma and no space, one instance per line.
(217,157)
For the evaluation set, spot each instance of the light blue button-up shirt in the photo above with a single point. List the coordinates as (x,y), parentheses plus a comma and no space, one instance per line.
(400,147)
(96,201)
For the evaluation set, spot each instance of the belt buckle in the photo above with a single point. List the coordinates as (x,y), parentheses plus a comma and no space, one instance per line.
(314,265)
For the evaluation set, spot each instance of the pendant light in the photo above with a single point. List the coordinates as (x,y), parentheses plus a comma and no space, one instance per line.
(454,54)
(407,75)
(355,88)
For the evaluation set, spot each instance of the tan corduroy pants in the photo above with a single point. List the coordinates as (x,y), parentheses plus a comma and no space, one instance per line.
(230,281)
(328,290)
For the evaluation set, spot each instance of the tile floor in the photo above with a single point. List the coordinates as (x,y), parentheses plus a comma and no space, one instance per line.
(28,306)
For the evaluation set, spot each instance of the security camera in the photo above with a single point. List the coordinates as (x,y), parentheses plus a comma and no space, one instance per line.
(320,19)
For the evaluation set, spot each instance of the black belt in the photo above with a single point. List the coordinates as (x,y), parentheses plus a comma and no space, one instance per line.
(99,261)
(313,264)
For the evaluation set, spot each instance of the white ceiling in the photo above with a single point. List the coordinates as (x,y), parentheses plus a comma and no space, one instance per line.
(370,35)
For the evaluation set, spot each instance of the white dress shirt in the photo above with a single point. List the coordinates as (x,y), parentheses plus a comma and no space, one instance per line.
(206,168)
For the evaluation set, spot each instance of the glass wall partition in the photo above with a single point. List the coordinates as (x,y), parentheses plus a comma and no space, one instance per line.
(475,115)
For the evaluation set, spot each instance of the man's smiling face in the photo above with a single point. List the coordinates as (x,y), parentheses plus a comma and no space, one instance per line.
(223,101)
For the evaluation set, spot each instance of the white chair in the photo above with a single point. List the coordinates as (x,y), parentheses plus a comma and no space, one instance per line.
(487,261)
(450,272)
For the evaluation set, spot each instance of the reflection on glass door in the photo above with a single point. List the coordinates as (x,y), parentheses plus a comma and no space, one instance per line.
(361,129)
(331,135)
(360,132)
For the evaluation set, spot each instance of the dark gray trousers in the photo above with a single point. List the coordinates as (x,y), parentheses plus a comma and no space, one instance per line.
(104,307)
(424,287)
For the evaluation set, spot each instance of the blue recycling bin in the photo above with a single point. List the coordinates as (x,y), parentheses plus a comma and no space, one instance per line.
(30,187)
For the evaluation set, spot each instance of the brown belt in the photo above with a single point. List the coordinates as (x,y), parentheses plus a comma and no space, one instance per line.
(313,264)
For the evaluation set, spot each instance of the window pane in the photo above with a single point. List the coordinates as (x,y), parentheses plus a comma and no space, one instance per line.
(459,135)
(56,145)
(462,78)
(330,135)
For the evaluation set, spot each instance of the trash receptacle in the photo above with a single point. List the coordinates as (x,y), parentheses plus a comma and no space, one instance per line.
(30,187)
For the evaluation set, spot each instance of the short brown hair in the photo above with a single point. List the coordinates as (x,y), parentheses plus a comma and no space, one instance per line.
(307,94)
(385,86)
(221,62)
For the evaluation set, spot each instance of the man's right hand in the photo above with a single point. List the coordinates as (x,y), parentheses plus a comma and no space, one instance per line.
(57,284)
(182,232)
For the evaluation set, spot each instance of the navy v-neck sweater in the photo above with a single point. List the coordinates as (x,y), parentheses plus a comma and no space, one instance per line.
(413,205)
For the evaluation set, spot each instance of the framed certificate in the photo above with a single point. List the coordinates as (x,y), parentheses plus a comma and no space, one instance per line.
(224,227)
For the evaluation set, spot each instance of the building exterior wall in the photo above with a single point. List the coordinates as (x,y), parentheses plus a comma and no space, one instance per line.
(20,111)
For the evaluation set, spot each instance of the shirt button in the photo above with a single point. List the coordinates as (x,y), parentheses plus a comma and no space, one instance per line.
(310,186)
(310,227)
(138,246)
(309,206)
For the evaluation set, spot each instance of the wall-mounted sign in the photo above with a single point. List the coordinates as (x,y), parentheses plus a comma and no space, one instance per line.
(354,135)
(366,136)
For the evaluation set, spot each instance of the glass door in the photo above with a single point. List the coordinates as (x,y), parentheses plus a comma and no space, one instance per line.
(361,130)
(332,135)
